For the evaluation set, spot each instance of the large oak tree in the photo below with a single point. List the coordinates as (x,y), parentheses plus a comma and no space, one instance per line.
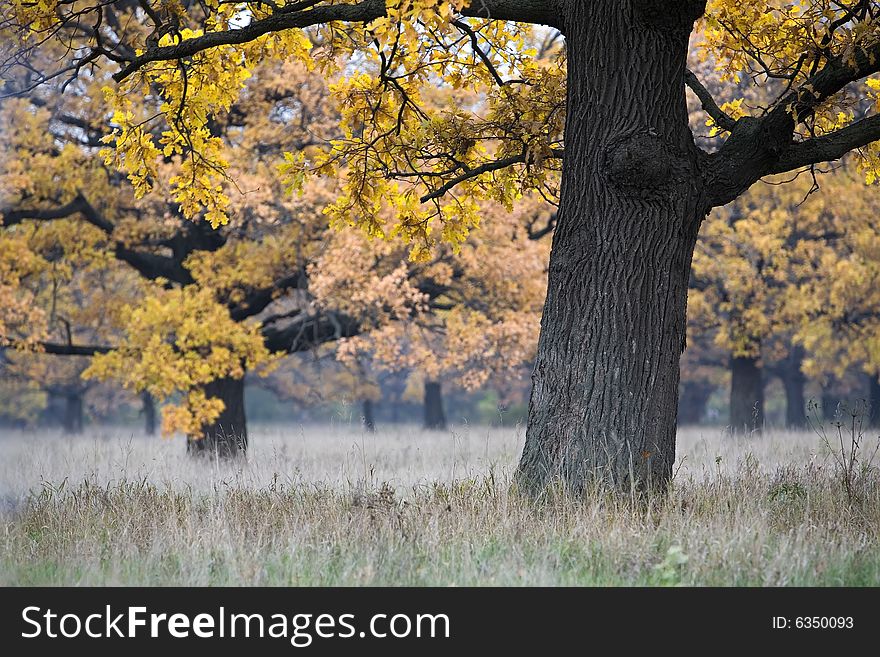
(634,189)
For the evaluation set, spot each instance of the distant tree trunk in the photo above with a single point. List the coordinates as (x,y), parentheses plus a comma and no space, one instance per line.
(746,395)
(435,417)
(873,401)
(793,380)
(693,401)
(829,402)
(149,411)
(227,436)
(73,412)
(367,415)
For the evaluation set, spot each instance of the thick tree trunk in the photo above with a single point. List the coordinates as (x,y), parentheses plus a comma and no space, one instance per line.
(794,381)
(367,415)
(227,436)
(148,408)
(435,417)
(73,412)
(873,401)
(829,402)
(746,395)
(693,401)
(605,384)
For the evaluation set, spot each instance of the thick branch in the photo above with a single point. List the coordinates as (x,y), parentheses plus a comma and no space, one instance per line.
(153,266)
(79,205)
(759,147)
(830,147)
(257,300)
(309,332)
(73,349)
(526,11)
(149,265)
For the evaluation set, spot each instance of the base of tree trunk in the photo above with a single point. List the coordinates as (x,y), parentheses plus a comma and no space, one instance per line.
(693,402)
(830,403)
(746,396)
(367,418)
(227,436)
(73,413)
(148,408)
(794,382)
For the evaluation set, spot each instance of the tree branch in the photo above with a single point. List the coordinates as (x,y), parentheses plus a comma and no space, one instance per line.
(719,116)
(309,332)
(72,349)
(256,301)
(758,147)
(149,265)
(488,167)
(526,11)
(830,147)
(79,205)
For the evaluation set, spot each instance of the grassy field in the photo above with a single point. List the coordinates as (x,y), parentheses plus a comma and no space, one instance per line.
(335,506)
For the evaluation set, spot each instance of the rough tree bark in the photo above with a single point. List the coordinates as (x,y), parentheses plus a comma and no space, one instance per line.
(693,401)
(605,383)
(73,412)
(794,381)
(148,408)
(746,395)
(367,415)
(435,416)
(227,436)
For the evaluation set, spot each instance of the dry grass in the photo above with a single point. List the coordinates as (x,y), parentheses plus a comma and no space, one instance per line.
(333,505)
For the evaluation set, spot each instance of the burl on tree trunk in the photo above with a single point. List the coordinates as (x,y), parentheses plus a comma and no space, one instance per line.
(605,384)
(227,436)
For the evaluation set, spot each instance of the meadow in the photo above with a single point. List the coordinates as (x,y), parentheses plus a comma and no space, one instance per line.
(334,505)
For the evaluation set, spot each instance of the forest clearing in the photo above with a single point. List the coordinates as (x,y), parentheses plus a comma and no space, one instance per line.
(339,506)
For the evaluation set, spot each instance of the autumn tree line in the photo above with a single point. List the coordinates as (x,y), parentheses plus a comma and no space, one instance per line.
(556,199)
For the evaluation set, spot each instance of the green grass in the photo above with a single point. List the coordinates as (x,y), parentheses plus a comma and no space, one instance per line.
(746,524)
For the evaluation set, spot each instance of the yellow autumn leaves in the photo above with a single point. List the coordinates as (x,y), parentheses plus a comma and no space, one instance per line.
(179,340)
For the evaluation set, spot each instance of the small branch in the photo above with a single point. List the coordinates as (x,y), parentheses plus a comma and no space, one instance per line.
(488,167)
(535,235)
(718,115)
(475,45)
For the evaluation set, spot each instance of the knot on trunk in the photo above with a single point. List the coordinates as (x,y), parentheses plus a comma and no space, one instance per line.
(642,162)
